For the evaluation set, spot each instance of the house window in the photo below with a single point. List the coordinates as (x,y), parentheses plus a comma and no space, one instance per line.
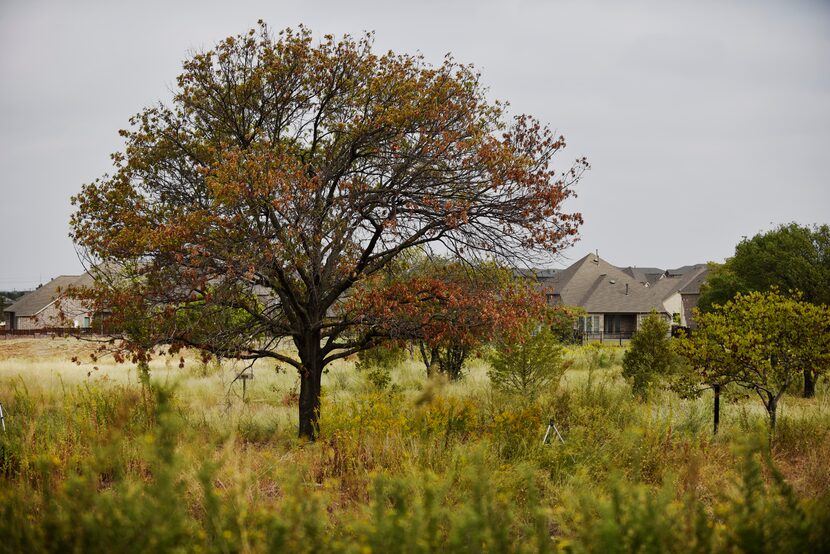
(86,322)
(588,324)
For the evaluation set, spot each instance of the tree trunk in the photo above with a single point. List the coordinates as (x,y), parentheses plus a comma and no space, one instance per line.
(452,361)
(311,374)
(430,360)
(772,408)
(809,384)
(716,388)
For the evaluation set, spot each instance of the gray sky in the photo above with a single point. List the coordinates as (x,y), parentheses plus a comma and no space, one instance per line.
(703,121)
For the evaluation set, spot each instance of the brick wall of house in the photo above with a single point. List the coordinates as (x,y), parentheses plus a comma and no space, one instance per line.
(26,324)
(70,314)
(689,302)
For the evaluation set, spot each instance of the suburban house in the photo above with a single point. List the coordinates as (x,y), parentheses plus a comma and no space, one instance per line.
(39,309)
(617,299)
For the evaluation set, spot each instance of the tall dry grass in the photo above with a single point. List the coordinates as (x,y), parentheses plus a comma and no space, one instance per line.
(92,461)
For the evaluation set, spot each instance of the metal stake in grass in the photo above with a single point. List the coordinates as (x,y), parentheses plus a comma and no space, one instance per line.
(244,377)
(552,425)
(2,418)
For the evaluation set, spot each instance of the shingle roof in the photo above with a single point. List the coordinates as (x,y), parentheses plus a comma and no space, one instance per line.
(541,275)
(684,270)
(644,274)
(599,287)
(692,285)
(674,281)
(34,302)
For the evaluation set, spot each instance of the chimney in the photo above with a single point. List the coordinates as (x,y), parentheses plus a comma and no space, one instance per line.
(596,257)
(626,289)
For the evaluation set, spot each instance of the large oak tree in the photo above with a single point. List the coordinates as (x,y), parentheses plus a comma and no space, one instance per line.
(286,172)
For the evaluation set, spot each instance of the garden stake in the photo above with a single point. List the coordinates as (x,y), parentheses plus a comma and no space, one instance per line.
(552,425)
(2,418)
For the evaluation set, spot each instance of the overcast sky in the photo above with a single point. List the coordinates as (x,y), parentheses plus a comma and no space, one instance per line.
(703,121)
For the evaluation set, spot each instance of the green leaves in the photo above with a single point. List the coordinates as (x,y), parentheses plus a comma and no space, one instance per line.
(791,257)
(649,356)
(529,365)
(761,341)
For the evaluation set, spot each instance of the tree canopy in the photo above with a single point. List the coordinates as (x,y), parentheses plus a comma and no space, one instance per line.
(790,257)
(761,341)
(286,173)
(448,308)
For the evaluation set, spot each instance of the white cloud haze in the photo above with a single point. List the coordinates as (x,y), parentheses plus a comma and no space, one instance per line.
(703,121)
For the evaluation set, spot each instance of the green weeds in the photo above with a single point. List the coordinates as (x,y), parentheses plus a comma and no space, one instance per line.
(421,466)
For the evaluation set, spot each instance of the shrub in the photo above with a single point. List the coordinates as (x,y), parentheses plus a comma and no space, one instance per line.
(649,355)
(526,366)
(377,363)
(596,356)
(387,356)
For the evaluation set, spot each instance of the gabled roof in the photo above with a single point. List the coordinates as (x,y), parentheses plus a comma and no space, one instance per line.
(678,280)
(697,278)
(684,270)
(597,286)
(34,302)
(644,274)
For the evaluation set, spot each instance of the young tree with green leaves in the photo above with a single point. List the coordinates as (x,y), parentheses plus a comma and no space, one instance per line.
(377,363)
(528,362)
(286,172)
(761,341)
(649,355)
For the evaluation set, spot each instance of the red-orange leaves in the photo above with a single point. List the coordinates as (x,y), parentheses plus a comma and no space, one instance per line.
(286,173)
(445,303)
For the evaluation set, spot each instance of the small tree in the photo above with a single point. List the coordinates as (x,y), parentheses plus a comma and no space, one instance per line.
(691,376)
(377,363)
(761,341)
(529,363)
(649,356)
(449,309)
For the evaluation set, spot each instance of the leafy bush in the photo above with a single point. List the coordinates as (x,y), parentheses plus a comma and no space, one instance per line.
(649,355)
(527,366)
(388,356)
(377,363)
(753,515)
(596,356)
(99,466)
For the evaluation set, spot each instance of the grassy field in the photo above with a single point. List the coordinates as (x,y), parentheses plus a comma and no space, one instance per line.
(92,461)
